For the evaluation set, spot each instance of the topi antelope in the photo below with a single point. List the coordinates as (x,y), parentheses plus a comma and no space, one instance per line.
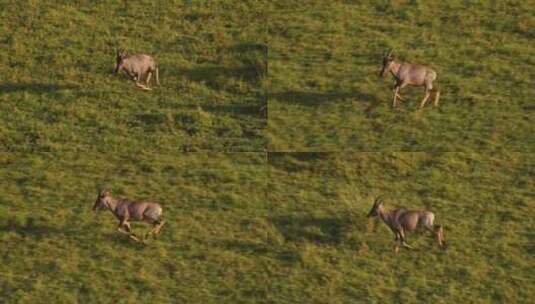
(137,66)
(127,210)
(410,74)
(401,221)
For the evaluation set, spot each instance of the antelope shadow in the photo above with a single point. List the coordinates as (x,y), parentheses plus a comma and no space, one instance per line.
(248,47)
(322,230)
(31,228)
(247,247)
(233,109)
(315,99)
(297,161)
(212,76)
(33,87)
(242,246)
(250,65)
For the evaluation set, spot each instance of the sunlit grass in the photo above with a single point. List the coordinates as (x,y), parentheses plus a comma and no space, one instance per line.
(57,90)
(326,95)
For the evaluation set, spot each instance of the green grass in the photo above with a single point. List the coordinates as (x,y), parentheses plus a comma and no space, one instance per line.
(244,225)
(243,228)
(57,90)
(55,249)
(325,58)
(339,256)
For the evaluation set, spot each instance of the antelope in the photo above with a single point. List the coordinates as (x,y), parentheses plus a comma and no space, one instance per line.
(401,221)
(137,66)
(410,74)
(128,210)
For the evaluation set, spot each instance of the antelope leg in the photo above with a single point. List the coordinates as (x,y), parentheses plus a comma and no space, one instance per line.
(151,232)
(400,98)
(406,245)
(129,234)
(159,228)
(396,90)
(398,242)
(155,230)
(427,94)
(143,87)
(437,97)
(149,75)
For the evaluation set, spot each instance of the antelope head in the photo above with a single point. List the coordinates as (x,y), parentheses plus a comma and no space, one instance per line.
(377,205)
(387,61)
(102,200)
(121,55)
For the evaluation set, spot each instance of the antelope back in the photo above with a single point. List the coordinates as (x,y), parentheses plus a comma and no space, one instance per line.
(410,220)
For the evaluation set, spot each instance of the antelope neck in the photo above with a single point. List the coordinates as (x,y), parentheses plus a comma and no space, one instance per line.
(384,215)
(394,68)
(112,204)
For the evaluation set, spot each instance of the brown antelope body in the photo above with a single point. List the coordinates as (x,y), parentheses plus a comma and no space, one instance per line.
(410,74)
(137,66)
(402,221)
(126,210)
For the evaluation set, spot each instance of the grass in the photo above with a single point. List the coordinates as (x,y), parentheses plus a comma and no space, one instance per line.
(248,222)
(325,93)
(58,91)
(340,256)
(54,248)
(230,240)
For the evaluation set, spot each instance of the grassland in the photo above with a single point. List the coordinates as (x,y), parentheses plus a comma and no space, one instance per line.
(245,225)
(246,229)
(55,249)
(325,58)
(484,202)
(57,91)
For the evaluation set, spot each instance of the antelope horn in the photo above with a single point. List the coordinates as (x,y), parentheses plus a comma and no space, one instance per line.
(378,200)
(390,53)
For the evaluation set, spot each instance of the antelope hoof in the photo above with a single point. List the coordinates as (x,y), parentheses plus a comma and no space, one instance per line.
(143,87)
(407,246)
(135,238)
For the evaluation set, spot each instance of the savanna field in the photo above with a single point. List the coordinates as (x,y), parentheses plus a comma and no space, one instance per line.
(266,144)
(59,93)
(326,94)
(288,229)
